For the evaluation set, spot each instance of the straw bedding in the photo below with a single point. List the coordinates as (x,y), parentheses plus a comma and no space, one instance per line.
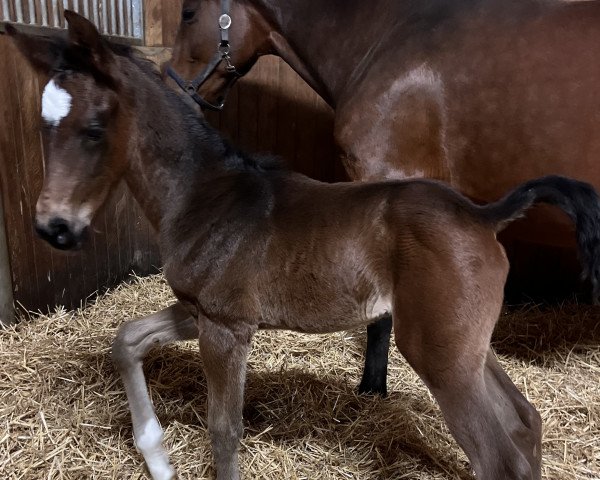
(63,412)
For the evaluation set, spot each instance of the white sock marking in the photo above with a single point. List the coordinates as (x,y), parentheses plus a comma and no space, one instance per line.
(151,435)
(149,443)
(56,103)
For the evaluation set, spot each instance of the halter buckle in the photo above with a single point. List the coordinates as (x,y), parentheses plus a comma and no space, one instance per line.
(224,21)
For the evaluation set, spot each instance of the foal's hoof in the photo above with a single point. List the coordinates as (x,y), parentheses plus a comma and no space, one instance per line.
(166,476)
(162,472)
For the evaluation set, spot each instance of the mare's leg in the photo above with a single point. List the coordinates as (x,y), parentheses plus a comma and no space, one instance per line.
(493,423)
(224,350)
(131,344)
(374,377)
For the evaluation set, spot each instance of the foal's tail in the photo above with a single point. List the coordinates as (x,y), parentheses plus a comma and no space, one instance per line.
(577,199)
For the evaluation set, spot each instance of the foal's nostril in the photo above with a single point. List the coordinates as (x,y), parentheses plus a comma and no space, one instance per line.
(58,233)
(61,232)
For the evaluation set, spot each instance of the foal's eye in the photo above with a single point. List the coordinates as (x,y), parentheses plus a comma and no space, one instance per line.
(93,134)
(187,15)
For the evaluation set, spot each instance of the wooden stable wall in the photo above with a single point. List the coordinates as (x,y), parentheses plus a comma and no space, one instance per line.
(272,110)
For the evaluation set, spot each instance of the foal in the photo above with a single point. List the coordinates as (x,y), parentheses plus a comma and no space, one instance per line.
(247,244)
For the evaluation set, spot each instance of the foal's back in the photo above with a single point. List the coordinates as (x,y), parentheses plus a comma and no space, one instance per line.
(293,253)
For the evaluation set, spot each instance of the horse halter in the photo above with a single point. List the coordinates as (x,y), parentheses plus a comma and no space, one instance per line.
(222,55)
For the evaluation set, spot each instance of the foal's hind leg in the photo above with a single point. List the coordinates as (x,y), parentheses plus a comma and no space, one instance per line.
(374,379)
(445,336)
(495,425)
(131,344)
(522,422)
(448,346)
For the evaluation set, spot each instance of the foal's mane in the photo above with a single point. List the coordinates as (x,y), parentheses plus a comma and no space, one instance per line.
(197,124)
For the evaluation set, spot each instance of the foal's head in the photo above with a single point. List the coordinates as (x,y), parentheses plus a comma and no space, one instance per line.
(199,44)
(82,122)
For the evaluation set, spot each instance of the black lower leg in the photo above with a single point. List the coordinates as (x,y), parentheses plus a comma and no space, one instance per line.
(374,377)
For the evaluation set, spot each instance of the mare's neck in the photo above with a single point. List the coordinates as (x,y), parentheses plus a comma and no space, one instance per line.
(331,44)
(170,151)
(319,40)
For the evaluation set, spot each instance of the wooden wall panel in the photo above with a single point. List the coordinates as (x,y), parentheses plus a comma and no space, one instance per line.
(161,20)
(121,242)
(153,32)
(171,13)
(273,110)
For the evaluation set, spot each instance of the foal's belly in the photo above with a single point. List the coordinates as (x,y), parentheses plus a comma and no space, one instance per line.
(331,316)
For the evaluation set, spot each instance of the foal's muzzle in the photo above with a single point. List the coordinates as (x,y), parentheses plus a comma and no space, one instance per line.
(60,234)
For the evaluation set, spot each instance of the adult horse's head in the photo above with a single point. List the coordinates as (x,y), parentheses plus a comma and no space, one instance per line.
(218,42)
(80,120)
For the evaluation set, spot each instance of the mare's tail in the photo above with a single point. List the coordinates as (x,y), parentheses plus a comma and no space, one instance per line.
(577,199)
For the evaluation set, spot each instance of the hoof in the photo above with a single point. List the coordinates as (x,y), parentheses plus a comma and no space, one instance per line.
(372,389)
(165,473)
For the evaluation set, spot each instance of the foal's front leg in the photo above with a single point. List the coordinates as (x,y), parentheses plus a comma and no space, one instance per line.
(131,344)
(224,349)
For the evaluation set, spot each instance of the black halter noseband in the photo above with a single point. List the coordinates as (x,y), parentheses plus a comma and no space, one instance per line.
(222,55)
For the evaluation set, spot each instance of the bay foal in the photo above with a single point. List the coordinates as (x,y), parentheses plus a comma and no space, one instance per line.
(247,244)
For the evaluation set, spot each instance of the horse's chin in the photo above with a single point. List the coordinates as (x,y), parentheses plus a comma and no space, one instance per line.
(73,247)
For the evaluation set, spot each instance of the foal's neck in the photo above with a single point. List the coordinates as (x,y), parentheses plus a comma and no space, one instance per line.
(171,150)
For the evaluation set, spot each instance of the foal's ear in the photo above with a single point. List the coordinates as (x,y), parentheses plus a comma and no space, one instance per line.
(84,33)
(89,49)
(42,52)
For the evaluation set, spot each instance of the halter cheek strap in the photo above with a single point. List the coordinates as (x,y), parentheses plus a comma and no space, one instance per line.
(222,55)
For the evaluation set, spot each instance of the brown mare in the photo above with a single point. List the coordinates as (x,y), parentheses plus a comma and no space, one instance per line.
(483,94)
(248,244)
